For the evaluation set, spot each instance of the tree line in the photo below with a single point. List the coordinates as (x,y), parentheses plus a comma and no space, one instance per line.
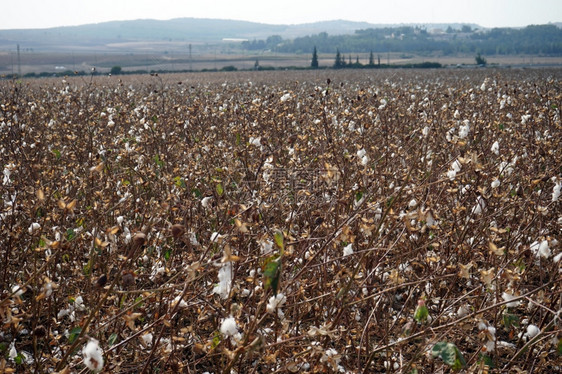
(535,40)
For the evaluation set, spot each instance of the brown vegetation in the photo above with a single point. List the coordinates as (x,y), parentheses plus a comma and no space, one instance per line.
(282,222)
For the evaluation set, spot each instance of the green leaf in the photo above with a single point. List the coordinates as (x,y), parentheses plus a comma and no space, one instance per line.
(216,340)
(272,273)
(74,334)
(510,320)
(450,354)
(278,237)
(87,268)
(112,339)
(487,360)
(559,349)
(196,192)
(18,359)
(70,234)
(138,301)
(179,182)
(57,153)
(421,313)
(167,254)
(158,161)
(358,196)
(220,190)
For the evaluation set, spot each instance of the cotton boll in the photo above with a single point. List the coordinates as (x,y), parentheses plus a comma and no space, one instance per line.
(147,339)
(276,302)
(348,250)
(495,148)
(556,192)
(413,203)
(544,250)
(541,249)
(507,297)
(480,206)
(495,183)
(33,227)
(93,356)
(229,327)
(205,201)
(225,281)
(532,331)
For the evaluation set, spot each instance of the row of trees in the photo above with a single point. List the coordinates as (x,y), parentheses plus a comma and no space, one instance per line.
(340,62)
(543,39)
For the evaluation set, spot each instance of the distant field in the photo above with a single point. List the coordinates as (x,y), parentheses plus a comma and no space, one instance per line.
(105,60)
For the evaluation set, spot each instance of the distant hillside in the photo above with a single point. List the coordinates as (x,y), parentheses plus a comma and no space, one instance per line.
(179,30)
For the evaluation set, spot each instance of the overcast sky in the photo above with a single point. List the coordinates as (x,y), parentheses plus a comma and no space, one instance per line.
(487,13)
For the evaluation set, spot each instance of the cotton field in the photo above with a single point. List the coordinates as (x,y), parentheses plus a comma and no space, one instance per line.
(314,221)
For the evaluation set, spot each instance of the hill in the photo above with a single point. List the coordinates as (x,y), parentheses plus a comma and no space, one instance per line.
(134,34)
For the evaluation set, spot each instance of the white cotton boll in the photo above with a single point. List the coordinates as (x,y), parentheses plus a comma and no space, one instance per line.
(456,166)
(544,250)
(462,311)
(205,201)
(348,250)
(495,183)
(255,141)
(229,327)
(215,237)
(525,118)
(532,331)
(362,152)
(495,148)
(425,131)
(364,160)
(266,246)
(464,131)
(177,300)
(12,353)
(225,281)
(557,258)
(457,114)
(275,302)
(93,356)
(556,192)
(33,227)
(451,174)
(480,206)
(147,339)
(120,220)
(508,297)
(541,249)
(413,203)
(17,290)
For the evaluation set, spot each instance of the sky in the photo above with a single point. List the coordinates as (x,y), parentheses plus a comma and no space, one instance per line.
(23,14)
